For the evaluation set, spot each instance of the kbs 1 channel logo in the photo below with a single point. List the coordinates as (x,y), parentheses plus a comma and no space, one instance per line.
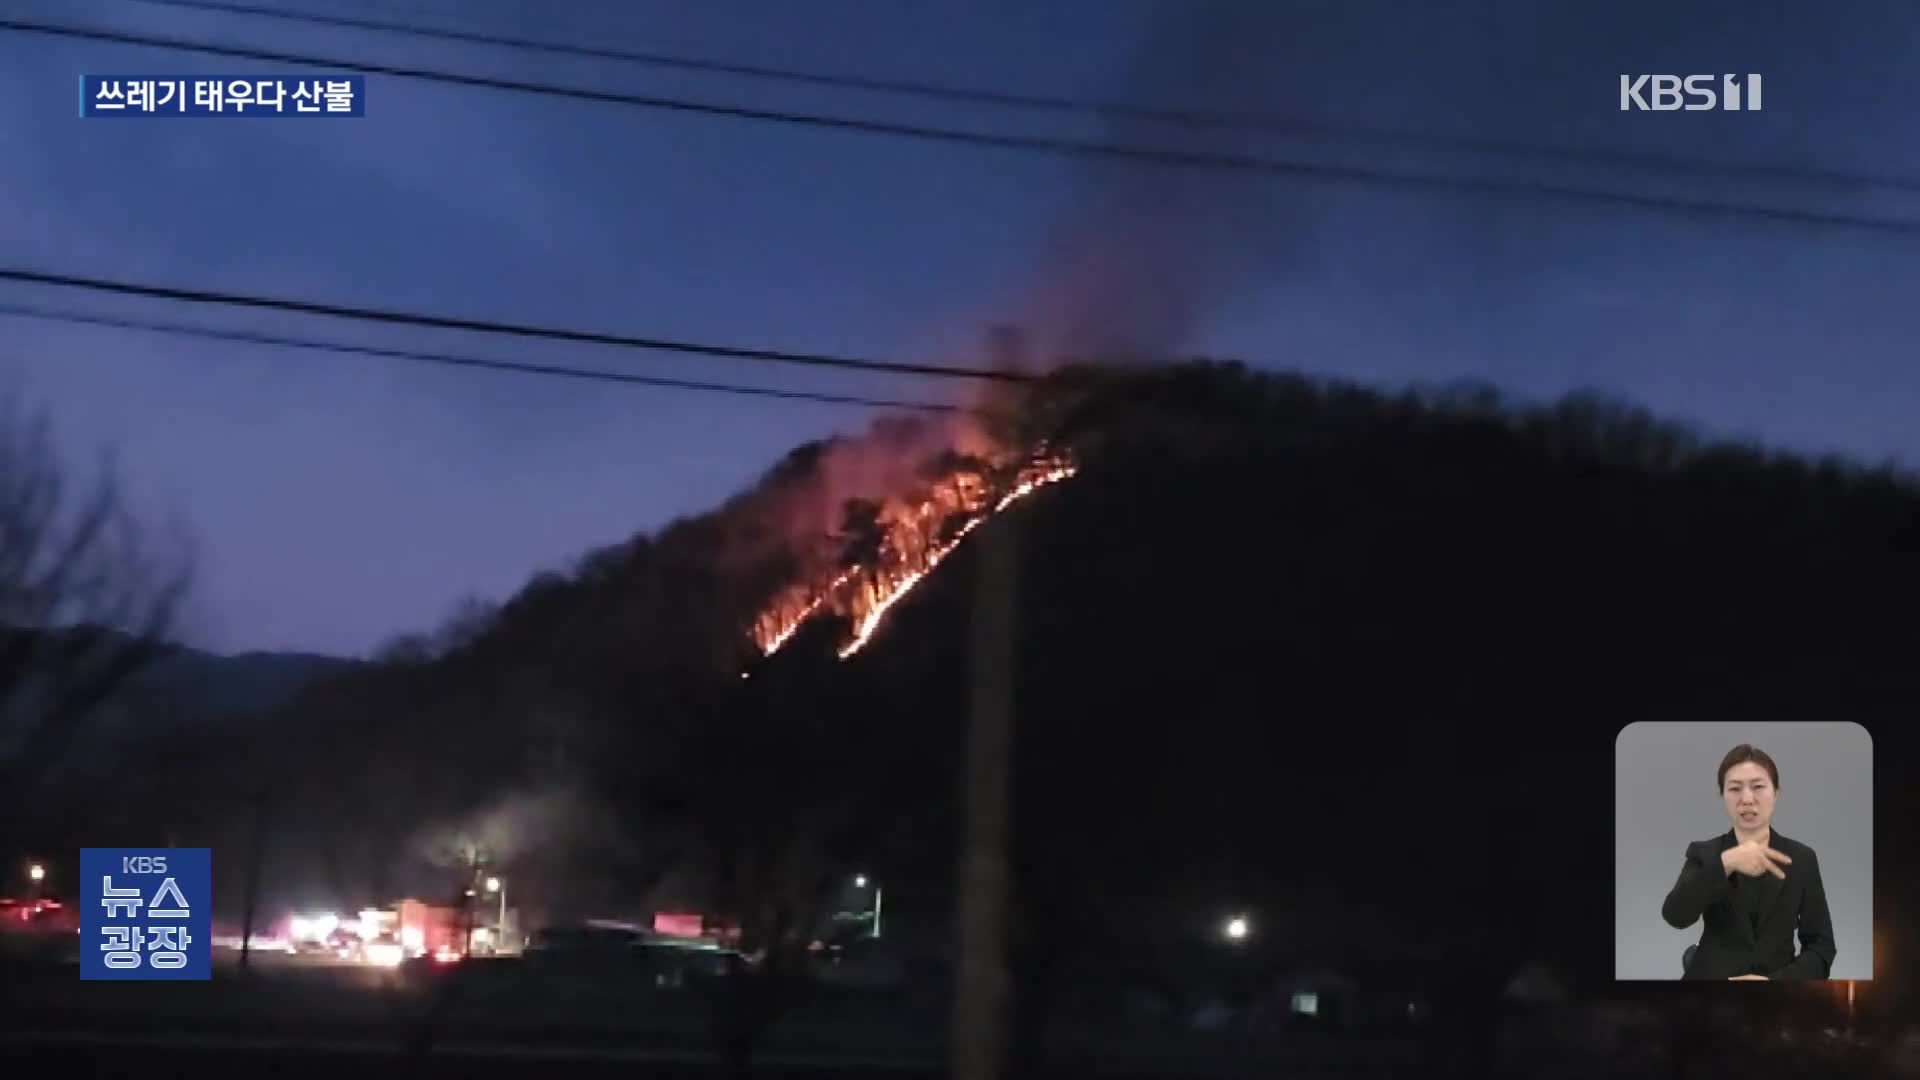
(1692,93)
(315,97)
(146,913)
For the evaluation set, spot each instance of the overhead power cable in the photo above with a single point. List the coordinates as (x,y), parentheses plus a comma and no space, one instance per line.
(1195,119)
(459,361)
(1301,170)
(485,326)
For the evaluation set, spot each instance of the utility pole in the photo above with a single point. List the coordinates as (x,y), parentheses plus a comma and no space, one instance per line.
(980,993)
(498,884)
(256,855)
(467,899)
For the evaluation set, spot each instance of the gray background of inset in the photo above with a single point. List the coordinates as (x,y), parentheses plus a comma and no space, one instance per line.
(1664,799)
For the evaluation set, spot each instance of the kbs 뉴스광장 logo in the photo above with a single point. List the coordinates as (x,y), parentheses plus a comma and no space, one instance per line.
(146,913)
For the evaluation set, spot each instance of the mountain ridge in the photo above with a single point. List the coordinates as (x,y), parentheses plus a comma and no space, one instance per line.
(1269,625)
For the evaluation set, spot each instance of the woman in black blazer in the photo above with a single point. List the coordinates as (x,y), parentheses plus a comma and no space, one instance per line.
(1754,887)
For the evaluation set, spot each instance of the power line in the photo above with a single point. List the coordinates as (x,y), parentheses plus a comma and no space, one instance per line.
(463,362)
(1381,178)
(483,326)
(1202,119)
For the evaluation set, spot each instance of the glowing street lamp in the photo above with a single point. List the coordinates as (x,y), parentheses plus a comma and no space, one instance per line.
(1237,928)
(495,885)
(36,873)
(861,881)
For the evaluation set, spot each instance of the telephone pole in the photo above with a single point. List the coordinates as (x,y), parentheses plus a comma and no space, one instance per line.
(980,992)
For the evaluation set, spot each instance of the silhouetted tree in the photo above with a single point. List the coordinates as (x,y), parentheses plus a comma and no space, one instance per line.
(86,601)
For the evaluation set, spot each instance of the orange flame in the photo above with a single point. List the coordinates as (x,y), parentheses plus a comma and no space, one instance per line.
(794,606)
(914,539)
(885,591)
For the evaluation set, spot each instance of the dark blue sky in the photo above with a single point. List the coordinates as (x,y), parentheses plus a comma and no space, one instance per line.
(336,501)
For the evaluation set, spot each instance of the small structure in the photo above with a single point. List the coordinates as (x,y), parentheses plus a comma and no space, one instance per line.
(431,929)
(679,924)
(1317,996)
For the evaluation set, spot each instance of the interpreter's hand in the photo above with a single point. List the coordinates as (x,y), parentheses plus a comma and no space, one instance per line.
(1749,978)
(1753,859)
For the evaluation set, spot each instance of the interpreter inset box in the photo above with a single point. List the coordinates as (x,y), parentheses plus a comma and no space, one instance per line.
(1743,851)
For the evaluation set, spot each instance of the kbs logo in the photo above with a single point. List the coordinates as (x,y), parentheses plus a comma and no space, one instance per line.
(149,917)
(1671,93)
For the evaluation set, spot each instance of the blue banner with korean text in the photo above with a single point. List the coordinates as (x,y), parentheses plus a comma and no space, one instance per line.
(223,95)
(146,913)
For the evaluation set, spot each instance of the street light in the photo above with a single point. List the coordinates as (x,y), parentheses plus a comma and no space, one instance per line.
(1237,928)
(495,885)
(36,873)
(861,881)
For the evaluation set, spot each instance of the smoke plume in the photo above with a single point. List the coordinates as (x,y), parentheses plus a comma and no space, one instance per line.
(1149,250)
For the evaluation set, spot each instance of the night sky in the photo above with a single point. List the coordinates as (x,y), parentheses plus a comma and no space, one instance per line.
(336,501)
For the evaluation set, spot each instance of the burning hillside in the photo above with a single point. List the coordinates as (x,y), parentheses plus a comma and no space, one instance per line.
(868,568)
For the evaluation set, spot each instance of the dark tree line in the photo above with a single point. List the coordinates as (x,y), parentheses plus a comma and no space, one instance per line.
(1287,646)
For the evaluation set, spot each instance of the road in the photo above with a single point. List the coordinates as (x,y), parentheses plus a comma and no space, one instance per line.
(297,1018)
(294,1019)
(106,1054)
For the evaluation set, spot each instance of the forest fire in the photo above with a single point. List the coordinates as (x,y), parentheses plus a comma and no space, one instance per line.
(913,538)
(791,609)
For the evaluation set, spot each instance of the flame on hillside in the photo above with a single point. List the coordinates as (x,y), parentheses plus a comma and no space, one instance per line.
(914,537)
(792,608)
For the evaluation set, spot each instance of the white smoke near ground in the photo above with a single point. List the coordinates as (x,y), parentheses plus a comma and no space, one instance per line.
(504,831)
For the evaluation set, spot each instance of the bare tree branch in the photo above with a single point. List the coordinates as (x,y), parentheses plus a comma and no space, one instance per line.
(86,602)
